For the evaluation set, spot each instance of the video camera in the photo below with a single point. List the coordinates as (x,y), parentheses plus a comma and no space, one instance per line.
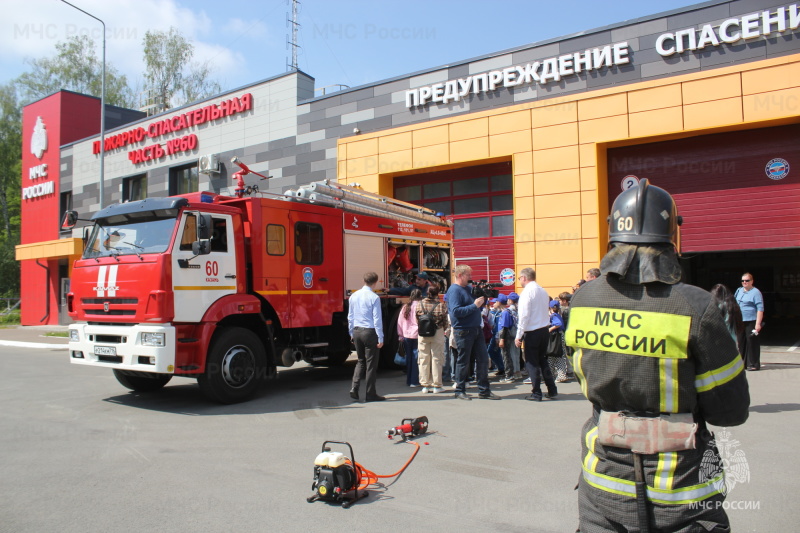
(483,288)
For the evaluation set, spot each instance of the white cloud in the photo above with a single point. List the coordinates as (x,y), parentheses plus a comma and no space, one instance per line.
(31,29)
(245,28)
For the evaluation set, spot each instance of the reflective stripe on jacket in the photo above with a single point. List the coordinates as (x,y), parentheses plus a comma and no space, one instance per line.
(650,349)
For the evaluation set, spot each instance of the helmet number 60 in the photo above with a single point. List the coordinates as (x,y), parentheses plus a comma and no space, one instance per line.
(625,224)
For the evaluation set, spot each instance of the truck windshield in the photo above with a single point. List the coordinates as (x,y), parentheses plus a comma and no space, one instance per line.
(146,236)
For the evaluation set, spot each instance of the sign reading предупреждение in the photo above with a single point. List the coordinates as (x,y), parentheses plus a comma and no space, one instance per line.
(554,69)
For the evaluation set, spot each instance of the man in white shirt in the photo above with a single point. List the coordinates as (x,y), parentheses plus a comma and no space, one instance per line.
(366,330)
(533,326)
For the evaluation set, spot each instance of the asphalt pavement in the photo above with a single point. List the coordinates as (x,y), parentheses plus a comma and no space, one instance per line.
(81,453)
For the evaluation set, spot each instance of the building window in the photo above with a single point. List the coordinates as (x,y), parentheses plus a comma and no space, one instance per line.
(276,239)
(460,192)
(308,243)
(183,180)
(134,188)
(66,203)
(471,228)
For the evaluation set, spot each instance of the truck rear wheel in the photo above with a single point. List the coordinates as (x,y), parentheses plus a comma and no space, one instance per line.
(235,368)
(141,381)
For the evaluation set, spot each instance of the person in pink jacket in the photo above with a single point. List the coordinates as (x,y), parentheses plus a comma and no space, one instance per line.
(407,332)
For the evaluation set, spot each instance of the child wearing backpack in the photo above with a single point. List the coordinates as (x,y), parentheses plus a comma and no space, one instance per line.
(507,334)
(431,323)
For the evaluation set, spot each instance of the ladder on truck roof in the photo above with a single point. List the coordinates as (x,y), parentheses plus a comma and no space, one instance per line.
(354,200)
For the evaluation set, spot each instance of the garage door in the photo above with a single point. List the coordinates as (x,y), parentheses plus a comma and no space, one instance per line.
(736,191)
(479,201)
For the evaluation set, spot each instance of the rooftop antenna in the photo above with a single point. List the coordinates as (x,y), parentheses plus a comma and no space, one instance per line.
(295,26)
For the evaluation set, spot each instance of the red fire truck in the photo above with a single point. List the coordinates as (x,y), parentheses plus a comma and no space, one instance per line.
(226,289)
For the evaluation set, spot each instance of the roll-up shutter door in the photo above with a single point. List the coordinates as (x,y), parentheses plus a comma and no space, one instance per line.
(736,191)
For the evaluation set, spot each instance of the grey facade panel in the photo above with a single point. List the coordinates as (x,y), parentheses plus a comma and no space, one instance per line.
(339,131)
(460,71)
(325,103)
(643,57)
(301,169)
(573,84)
(587,42)
(532,54)
(783,44)
(744,7)
(282,143)
(605,77)
(673,64)
(326,123)
(324,164)
(310,157)
(391,109)
(637,30)
(362,94)
(725,54)
(317,175)
(698,17)
(311,116)
(375,124)
(387,88)
(647,42)
(377,101)
(342,109)
(254,149)
(324,144)
(487,100)
(296,149)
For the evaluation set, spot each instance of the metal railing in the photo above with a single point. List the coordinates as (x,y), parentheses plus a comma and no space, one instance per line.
(8,305)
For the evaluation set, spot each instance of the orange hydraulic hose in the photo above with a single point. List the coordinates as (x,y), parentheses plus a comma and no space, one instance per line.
(368,477)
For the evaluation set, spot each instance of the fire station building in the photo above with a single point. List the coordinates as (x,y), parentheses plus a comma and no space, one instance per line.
(524,148)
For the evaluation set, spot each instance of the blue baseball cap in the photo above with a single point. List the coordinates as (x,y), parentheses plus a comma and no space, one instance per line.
(554,303)
(514,297)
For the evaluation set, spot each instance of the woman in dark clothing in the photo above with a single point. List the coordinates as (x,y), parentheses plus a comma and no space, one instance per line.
(730,309)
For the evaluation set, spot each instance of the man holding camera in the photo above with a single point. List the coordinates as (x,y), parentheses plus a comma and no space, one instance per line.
(467,324)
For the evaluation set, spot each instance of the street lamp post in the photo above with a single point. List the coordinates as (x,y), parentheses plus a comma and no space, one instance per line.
(102,105)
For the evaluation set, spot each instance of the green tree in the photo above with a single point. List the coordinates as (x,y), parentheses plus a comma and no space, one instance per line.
(171,79)
(10,187)
(75,67)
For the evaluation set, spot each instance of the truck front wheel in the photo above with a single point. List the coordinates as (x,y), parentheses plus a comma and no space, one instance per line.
(235,367)
(141,381)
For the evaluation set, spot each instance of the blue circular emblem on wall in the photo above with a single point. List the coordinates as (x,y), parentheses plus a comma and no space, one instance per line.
(777,169)
(507,277)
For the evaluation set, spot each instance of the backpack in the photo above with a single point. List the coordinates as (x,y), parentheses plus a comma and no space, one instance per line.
(426,323)
(487,329)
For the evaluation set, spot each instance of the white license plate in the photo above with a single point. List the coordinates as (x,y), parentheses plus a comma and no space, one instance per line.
(105,350)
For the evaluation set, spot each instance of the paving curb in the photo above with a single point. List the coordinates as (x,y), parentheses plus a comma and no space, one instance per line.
(40,345)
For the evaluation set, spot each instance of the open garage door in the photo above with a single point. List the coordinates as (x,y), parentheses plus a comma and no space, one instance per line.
(479,201)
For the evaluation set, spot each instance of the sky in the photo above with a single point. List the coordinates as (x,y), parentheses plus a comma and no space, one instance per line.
(350,42)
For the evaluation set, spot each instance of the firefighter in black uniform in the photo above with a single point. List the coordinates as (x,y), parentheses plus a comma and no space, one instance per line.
(656,360)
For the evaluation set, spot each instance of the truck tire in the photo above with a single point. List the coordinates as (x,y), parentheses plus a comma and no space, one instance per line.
(236,366)
(390,341)
(141,381)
